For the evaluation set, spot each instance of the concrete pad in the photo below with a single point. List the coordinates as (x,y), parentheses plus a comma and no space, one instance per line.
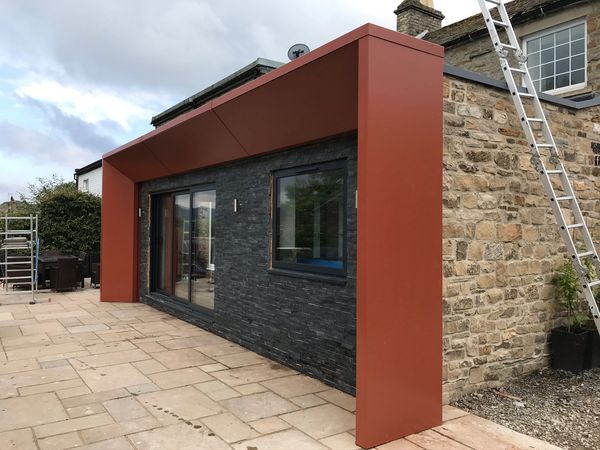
(32,410)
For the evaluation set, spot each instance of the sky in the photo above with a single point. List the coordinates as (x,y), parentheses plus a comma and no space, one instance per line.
(81,77)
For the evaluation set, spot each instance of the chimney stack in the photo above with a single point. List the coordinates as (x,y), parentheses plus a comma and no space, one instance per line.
(416,17)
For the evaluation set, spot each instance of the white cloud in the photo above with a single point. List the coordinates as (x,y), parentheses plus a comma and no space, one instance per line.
(92,105)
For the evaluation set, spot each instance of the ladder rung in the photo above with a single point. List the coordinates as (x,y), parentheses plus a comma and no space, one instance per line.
(583,255)
(593,283)
(534,119)
(501,24)
(545,146)
(512,47)
(526,94)
(564,199)
(575,225)
(495,2)
(514,69)
(554,172)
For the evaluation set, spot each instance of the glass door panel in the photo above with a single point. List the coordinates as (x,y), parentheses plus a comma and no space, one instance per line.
(182,246)
(164,243)
(203,263)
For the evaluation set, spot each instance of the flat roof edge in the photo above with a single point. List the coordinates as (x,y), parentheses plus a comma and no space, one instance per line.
(497,84)
(89,167)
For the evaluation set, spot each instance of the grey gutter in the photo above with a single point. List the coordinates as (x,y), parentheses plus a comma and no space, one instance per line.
(497,84)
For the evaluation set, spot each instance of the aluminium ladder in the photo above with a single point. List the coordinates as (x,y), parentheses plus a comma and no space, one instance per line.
(545,155)
(19,251)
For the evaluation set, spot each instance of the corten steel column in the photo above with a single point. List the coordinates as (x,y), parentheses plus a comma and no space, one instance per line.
(119,240)
(399,310)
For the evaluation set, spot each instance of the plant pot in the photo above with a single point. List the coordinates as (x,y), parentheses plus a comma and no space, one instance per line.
(592,353)
(569,349)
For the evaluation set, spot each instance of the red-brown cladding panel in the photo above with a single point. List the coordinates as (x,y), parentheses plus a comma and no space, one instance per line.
(198,142)
(119,236)
(312,102)
(138,163)
(399,317)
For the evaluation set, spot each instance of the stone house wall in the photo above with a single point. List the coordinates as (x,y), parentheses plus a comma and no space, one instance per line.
(501,243)
(478,55)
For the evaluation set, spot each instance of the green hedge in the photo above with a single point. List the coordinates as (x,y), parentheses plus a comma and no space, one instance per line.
(68,219)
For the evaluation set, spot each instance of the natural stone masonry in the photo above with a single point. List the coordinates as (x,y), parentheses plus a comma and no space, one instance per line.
(501,246)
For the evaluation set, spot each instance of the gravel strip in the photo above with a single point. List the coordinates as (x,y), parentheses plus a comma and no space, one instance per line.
(555,406)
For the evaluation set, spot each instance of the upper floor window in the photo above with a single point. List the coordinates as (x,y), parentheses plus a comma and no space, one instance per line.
(557,58)
(86,185)
(310,218)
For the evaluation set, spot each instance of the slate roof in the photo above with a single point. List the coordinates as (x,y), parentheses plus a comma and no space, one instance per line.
(473,27)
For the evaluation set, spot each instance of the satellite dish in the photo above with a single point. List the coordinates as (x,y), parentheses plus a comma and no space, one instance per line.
(297,50)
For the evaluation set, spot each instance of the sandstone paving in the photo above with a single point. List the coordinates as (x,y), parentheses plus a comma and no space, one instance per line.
(258,406)
(77,373)
(110,377)
(295,386)
(18,440)
(321,421)
(31,410)
(180,377)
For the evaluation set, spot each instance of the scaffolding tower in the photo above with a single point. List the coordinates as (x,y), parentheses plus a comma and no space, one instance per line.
(19,252)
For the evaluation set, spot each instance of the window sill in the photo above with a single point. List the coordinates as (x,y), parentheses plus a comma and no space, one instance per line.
(329,279)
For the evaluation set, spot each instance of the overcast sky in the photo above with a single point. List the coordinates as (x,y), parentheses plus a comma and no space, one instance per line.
(80,77)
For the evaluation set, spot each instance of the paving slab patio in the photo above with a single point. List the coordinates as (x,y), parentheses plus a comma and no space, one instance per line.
(78,373)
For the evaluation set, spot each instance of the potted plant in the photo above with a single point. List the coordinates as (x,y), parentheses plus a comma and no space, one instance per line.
(570,342)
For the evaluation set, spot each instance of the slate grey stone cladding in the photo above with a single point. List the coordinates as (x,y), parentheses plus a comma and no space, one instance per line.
(303,321)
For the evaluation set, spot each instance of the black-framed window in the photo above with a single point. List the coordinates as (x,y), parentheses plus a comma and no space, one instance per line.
(309,226)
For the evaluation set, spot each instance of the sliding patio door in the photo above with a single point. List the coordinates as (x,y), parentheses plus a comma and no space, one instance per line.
(203,260)
(183,256)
